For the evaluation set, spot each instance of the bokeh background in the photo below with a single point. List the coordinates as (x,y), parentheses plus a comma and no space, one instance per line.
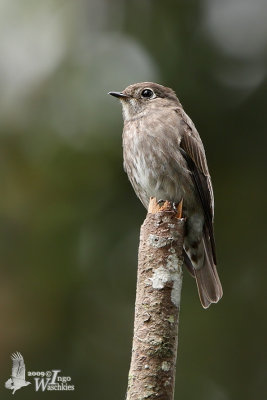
(69,220)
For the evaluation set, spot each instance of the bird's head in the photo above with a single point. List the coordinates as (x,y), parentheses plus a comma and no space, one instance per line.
(141,98)
(9,384)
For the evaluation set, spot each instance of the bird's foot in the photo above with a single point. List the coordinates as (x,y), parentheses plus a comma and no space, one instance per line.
(165,205)
(158,205)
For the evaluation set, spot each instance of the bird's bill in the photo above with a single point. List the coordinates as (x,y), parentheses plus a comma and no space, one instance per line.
(120,95)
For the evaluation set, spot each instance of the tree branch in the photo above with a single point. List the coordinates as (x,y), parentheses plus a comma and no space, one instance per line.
(159,284)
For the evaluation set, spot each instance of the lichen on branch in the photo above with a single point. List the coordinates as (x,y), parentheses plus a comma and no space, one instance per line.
(158,294)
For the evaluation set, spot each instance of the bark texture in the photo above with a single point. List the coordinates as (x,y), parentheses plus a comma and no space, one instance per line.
(159,283)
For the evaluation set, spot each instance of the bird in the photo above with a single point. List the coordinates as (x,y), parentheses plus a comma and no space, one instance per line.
(17,379)
(164,157)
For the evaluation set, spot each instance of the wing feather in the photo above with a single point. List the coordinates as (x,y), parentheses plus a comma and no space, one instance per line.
(18,366)
(193,151)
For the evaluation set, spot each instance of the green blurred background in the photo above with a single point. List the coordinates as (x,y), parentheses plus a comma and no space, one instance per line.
(69,218)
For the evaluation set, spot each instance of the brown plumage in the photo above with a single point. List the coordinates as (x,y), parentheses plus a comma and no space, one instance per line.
(164,158)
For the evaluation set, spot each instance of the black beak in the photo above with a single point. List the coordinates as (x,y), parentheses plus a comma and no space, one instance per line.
(119,95)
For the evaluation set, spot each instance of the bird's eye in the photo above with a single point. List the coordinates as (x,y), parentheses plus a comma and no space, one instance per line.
(147,93)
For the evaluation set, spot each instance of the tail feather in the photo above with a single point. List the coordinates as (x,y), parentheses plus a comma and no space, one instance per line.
(188,264)
(208,281)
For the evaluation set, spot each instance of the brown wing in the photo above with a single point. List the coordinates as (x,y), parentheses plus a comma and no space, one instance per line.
(193,151)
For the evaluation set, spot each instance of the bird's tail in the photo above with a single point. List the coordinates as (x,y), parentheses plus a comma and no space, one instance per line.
(207,278)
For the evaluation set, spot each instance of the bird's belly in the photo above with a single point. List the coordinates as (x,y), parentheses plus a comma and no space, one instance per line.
(152,177)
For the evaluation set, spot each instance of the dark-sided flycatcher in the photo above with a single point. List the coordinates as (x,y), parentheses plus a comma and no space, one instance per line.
(164,158)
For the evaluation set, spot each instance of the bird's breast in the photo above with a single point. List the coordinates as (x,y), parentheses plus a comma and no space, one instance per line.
(153,162)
